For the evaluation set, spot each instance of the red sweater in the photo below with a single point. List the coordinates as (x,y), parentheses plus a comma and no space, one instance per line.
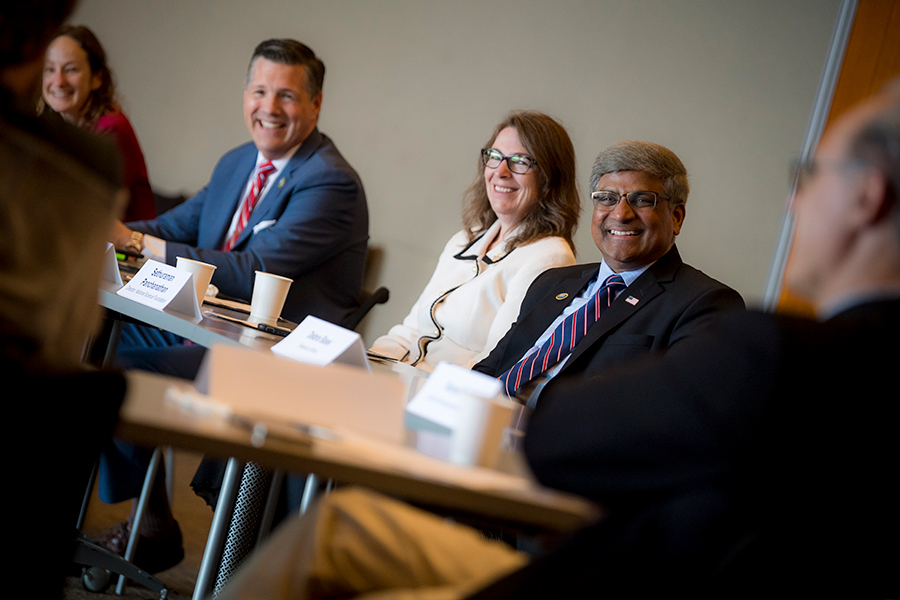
(142,204)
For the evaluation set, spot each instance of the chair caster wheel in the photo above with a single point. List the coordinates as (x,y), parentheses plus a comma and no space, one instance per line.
(95,579)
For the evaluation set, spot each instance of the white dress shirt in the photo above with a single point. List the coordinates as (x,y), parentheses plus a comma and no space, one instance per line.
(155,247)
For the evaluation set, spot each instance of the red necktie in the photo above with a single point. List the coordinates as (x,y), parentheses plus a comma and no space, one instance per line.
(564,338)
(265,169)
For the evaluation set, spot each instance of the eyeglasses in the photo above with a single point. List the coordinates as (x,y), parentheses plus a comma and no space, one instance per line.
(517,163)
(637,200)
(803,171)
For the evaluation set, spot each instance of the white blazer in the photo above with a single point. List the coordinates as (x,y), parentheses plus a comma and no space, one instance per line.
(464,325)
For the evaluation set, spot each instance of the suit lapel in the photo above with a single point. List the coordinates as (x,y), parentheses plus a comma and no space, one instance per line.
(644,289)
(530,327)
(230,202)
(273,201)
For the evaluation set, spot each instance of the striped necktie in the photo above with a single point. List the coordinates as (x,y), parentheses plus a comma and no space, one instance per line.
(564,338)
(262,174)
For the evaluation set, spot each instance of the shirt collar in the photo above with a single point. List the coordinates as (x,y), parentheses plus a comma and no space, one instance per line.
(278,163)
(628,276)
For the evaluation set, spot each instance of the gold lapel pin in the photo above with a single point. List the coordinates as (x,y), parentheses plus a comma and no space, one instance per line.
(281,182)
(562,296)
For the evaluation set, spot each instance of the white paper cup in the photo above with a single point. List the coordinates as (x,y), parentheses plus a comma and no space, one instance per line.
(479,429)
(201,271)
(269,294)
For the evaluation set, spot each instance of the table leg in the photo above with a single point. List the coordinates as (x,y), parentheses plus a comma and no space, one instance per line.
(149,480)
(218,529)
(310,492)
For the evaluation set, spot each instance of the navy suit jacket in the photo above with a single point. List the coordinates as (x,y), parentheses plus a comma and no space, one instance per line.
(312,226)
(673,302)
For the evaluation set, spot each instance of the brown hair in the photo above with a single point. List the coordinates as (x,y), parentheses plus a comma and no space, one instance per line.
(291,52)
(102,100)
(558,207)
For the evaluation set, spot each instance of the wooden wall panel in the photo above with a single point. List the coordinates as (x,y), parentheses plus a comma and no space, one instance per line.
(872,56)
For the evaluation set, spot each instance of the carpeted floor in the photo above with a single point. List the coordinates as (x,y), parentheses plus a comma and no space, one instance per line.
(194,517)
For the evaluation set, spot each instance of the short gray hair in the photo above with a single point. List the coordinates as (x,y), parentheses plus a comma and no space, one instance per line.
(648,157)
(877,143)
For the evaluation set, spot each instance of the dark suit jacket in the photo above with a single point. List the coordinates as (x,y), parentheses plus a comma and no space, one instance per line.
(758,459)
(674,302)
(318,238)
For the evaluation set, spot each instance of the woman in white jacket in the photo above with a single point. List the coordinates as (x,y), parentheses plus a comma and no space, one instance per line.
(519,217)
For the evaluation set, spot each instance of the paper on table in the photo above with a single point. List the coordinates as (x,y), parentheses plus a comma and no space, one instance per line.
(159,286)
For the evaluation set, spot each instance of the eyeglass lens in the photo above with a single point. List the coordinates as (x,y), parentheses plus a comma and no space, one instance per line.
(517,163)
(634,199)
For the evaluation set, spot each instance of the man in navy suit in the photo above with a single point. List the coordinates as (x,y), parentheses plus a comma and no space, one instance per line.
(309,221)
(286,203)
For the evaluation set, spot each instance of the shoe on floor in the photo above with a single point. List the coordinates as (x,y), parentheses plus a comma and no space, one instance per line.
(153,554)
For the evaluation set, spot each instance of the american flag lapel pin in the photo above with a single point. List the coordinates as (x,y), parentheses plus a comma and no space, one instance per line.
(631,300)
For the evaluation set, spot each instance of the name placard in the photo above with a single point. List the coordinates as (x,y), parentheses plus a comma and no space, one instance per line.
(110,272)
(159,285)
(320,343)
(444,394)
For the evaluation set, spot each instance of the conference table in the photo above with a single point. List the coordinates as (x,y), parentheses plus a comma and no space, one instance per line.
(204,332)
(154,415)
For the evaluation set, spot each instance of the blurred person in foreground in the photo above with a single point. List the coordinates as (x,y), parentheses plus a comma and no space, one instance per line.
(60,189)
(518,220)
(78,85)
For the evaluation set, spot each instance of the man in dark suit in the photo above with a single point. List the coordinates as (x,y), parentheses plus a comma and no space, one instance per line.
(756,459)
(309,221)
(639,194)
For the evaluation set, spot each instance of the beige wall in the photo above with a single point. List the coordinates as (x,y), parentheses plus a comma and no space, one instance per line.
(413,88)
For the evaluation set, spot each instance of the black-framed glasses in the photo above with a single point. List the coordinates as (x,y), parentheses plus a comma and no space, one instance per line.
(639,200)
(803,171)
(517,163)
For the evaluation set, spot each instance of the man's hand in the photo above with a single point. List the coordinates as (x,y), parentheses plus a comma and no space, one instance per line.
(121,235)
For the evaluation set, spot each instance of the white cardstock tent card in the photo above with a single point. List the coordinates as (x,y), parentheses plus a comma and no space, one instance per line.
(441,397)
(318,342)
(160,286)
(470,405)
(262,385)
(111,266)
